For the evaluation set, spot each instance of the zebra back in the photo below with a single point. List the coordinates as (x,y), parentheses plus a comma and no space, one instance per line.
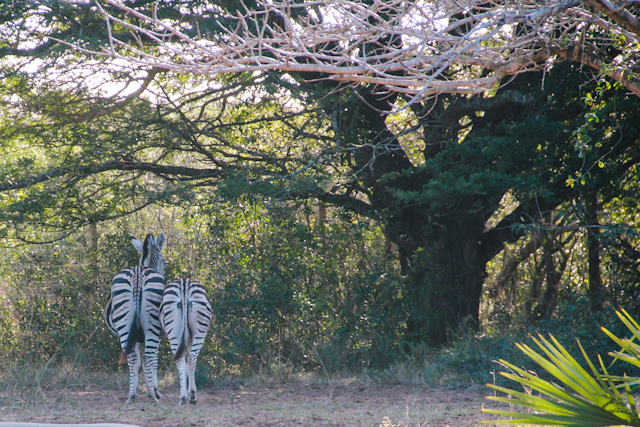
(185,316)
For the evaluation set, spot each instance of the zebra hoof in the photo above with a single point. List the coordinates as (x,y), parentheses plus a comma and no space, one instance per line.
(183,400)
(193,400)
(132,398)
(158,395)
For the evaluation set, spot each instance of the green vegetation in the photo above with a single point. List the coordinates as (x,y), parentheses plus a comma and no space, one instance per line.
(282,295)
(335,310)
(339,230)
(534,173)
(576,396)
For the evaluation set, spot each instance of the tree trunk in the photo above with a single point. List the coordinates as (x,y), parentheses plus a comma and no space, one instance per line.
(596,287)
(535,288)
(502,282)
(321,219)
(442,250)
(552,275)
(447,278)
(92,241)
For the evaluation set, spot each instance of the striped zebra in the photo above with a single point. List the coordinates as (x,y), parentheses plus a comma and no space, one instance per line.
(185,316)
(132,313)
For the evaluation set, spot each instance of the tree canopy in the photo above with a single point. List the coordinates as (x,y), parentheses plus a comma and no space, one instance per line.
(503,136)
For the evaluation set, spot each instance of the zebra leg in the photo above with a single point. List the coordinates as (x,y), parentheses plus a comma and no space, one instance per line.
(183,372)
(154,375)
(134,362)
(193,391)
(151,372)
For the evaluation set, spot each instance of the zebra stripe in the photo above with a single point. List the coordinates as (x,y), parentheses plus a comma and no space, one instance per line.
(185,316)
(133,314)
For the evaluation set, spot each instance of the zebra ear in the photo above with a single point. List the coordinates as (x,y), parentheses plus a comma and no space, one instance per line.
(161,240)
(137,243)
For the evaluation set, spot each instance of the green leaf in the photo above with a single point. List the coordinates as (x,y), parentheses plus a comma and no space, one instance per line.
(581,398)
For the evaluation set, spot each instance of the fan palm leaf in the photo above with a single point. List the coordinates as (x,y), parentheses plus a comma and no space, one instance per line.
(577,397)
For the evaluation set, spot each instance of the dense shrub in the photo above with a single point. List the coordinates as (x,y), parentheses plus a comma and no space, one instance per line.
(285,289)
(289,294)
(475,356)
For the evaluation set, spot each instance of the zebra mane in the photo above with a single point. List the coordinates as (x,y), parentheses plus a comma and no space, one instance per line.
(152,252)
(146,250)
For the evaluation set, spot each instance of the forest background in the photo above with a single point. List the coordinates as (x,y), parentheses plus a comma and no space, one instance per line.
(336,225)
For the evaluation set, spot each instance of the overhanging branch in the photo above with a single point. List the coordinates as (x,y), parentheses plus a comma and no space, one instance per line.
(177,172)
(481,42)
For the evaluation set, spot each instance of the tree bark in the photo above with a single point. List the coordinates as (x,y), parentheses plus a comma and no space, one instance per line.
(447,276)
(596,286)
(92,241)
(513,262)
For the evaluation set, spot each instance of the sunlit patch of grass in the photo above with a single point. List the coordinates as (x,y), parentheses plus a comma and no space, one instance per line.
(59,376)
(38,388)
(168,378)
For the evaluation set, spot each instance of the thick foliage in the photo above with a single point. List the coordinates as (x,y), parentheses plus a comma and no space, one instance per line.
(285,290)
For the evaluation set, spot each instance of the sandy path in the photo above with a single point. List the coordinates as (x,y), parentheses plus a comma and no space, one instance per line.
(285,405)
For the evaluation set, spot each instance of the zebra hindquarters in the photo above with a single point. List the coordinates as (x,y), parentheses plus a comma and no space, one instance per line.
(199,319)
(108,308)
(132,313)
(186,316)
(122,317)
(151,300)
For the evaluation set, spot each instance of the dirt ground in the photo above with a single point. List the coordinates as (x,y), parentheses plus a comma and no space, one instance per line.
(286,405)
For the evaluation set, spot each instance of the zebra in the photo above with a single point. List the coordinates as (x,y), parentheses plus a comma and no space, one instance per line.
(185,316)
(132,313)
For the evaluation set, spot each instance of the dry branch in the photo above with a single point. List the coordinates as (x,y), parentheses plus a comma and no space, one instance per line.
(418,48)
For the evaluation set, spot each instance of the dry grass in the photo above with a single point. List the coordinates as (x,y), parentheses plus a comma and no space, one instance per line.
(65,396)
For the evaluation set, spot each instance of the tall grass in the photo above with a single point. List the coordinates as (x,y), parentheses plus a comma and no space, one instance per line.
(469,360)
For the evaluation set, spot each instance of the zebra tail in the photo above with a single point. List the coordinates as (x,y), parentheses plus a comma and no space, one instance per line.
(136,334)
(182,346)
(184,327)
(182,349)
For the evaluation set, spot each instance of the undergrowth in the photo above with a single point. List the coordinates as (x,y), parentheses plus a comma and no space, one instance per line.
(473,357)
(470,360)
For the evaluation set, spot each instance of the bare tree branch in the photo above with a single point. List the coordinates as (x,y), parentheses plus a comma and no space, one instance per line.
(618,14)
(417,48)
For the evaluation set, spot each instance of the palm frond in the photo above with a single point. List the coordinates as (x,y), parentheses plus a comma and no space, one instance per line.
(581,397)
